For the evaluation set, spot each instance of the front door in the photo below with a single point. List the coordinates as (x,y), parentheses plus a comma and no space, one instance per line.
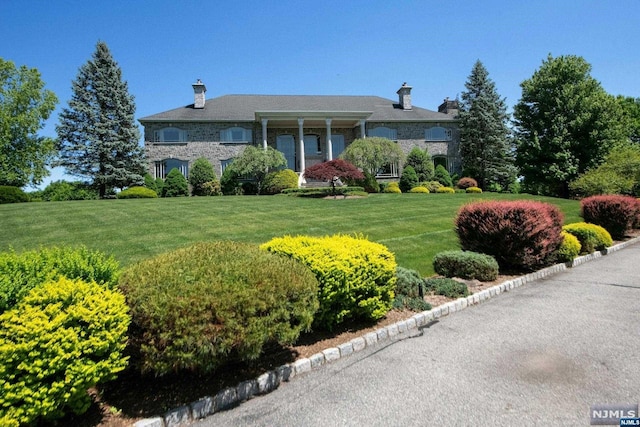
(287,146)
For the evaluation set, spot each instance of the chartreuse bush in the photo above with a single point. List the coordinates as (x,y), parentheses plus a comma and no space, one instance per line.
(21,272)
(280,180)
(615,213)
(419,189)
(409,287)
(198,307)
(61,339)
(466,265)
(447,190)
(392,187)
(520,235)
(356,277)
(569,248)
(473,190)
(137,193)
(591,237)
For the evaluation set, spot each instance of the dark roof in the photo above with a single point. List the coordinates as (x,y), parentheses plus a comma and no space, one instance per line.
(244,108)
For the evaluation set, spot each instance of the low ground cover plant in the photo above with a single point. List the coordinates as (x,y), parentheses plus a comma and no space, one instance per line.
(592,237)
(356,277)
(198,307)
(520,235)
(61,339)
(569,248)
(410,290)
(615,213)
(21,272)
(466,265)
(447,287)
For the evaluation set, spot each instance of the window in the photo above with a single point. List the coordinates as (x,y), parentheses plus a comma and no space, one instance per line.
(236,135)
(440,160)
(384,132)
(163,167)
(170,136)
(390,170)
(225,163)
(437,133)
(337,144)
(312,145)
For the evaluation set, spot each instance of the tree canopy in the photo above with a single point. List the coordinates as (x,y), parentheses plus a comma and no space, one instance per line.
(485,138)
(372,154)
(256,163)
(98,137)
(333,170)
(566,123)
(24,106)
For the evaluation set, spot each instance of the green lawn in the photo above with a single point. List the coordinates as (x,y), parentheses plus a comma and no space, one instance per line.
(413,226)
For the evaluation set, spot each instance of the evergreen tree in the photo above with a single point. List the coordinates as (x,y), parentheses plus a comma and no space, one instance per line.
(409,179)
(201,173)
(442,176)
(485,138)
(175,185)
(98,137)
(422,164)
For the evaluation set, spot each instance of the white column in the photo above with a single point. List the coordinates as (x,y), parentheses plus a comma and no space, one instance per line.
(362,129)
(301,145)
(329,147)
(264,133)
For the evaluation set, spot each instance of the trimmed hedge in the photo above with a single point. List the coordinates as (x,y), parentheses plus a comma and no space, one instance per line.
(447,287)
(520,235)
(591,237)
(392,187)
(63,338)
(419,189)
(615,213)
(474,190)
(198,307)
(466,265)
(137,193)
(21,272)
(357,277)
(569,248)
(9,194)
(447,190)
(321,191)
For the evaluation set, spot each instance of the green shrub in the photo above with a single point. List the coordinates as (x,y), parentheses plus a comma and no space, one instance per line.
(474,190)
(321,191)
(280,180)
(409,179)
(392,187)
(466,265)
(211,188)
(357,277)
(9,194)
(419,189)
(369,183)
(409,287)
(442,176)
(230,183)
(569,248)
(137,193)
(200,174)
(201,306)
(421,162)
(63,338)
(60,191)
(21,272)
(150,183)
(591,237)
(175,185)
(615,213)
(432,186)
(447,287)
(447,190)
(466,182)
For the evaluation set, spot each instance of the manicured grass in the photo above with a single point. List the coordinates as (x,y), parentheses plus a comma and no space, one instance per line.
(413,226)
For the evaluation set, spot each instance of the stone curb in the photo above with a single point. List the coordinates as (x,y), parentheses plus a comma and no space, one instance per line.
(269,381)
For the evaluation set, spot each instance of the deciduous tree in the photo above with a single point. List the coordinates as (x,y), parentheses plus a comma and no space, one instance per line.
(333,170)
(257,163)
(372,154)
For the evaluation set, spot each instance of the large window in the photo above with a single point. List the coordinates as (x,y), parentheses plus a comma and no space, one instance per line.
(383,132)
(170,135)
(441,160)
(437,133)
(337,144)
(163,167)
(236,135)
(312,145)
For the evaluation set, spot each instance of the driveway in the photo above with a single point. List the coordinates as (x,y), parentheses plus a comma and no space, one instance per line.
(541,354)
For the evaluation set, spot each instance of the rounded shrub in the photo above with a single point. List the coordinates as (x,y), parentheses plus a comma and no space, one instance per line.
(569,248)
(280,180)
(9,194)
(63,338)
(432,186)
(615,213)
(201,306)
(409,179)
(445,190)
(419,189)
(137,193)
(474,190)
(357,277)
(201,173)
(409,286)
(441,174)
(447,287)
(466,182)
(175,185)
(520,235)
(21,272)
(211,188)
(466,265)
(392,187)
(591,237)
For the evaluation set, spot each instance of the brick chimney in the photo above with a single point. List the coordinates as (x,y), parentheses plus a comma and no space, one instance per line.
(449,107)
(404,96)
(198,94)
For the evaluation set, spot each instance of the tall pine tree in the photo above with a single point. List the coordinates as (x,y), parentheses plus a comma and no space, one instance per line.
(485,138)
(97,134)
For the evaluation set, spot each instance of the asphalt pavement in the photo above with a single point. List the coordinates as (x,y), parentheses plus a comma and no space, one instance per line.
(539,355)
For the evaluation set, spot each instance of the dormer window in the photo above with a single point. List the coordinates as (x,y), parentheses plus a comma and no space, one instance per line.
(170,136)
(236,135)
(384,132)
(437,133)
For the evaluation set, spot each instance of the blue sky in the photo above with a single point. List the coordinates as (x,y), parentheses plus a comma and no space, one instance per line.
(320,47)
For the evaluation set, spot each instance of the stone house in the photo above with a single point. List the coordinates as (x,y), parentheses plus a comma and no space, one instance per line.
(321,127)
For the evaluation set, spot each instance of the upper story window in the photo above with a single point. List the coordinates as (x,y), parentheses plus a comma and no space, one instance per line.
(384,132)
(236,135)
(437,133)
(170,135)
